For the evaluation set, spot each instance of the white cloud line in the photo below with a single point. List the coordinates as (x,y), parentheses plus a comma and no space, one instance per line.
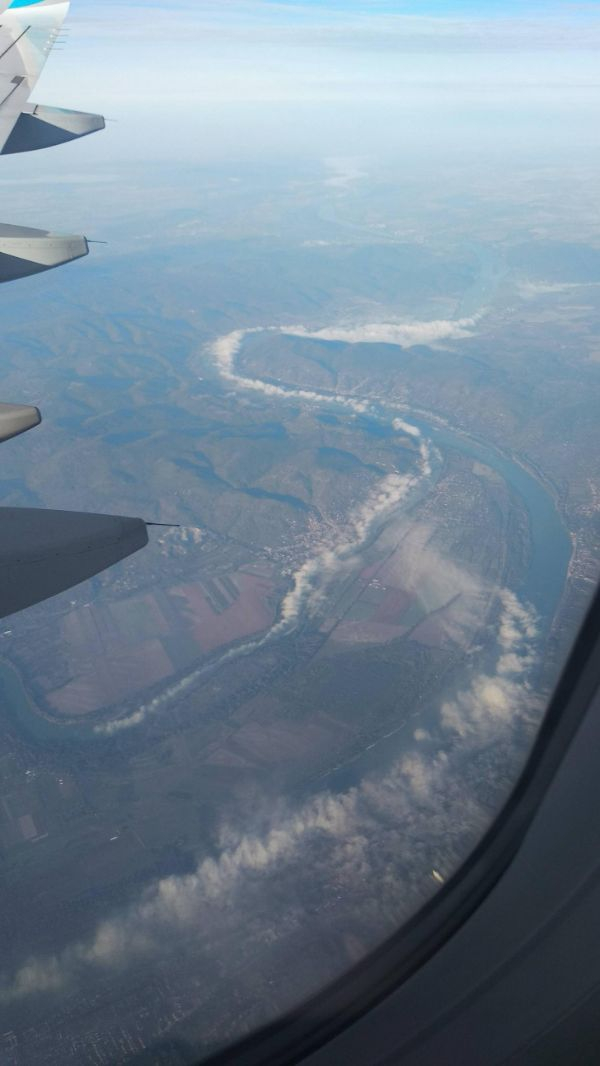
(375,843)
(490,700)
(308,590)
(433,810)
(311,580)
(405,334)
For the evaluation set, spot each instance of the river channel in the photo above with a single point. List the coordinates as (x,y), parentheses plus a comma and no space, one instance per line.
(543,585)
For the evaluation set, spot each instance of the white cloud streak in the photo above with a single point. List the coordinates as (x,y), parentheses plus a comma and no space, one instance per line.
(225,349)
(312,579)
(341,551)
(494,697)
(376,844)
(404,334)
(309,588)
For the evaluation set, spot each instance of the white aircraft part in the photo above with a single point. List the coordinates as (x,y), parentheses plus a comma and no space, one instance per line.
(28,251)
(27,35)
(39,126)
(28,32)
(17,418)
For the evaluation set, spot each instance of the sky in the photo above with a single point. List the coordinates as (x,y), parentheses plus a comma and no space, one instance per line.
(207,78)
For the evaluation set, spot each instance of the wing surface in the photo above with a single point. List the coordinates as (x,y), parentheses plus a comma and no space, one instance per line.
(28,32)
(17,418)
(45,552)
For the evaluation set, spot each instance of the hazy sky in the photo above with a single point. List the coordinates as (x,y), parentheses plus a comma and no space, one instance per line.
(257,57)
(249,77)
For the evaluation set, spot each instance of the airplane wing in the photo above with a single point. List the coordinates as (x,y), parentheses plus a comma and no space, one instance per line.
(17,418)
(29,30)
(45,552)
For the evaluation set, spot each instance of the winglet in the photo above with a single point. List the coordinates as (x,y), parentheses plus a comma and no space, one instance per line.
(16,418)
(28,251)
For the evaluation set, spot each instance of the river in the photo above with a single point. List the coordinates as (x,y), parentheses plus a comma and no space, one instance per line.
(543,585)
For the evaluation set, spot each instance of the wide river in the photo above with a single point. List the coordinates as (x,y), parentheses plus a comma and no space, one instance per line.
(543,585)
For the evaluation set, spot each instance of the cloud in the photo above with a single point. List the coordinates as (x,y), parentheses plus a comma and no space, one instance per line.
(374,848)
(404,334)
(344,171)
(176,541)
(339,551)
(163,699)
(179,903)
(421,568)
(225,349)
(309,587)
(493,698)
(378,848)
(405,427)
(257,53)
(530,289)
(311,580)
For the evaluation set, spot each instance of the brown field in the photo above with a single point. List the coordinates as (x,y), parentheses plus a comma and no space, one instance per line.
(394,605)
(128,621)
(370,632)
(107,679)
(117,650)
(250,613)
